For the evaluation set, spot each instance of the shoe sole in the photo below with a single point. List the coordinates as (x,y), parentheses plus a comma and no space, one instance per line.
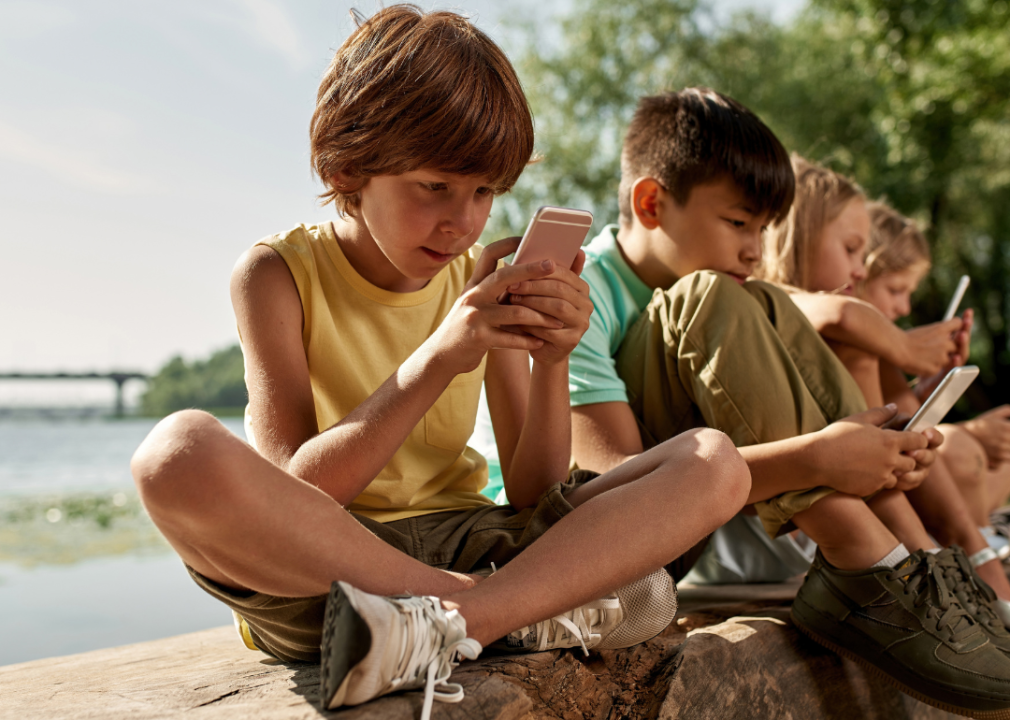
(649,606)
(345,643)
(874,670)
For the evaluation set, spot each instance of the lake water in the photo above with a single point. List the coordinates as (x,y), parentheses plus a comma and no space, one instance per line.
(81,565)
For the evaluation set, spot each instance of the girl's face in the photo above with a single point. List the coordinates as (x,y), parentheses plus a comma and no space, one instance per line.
(838,265)
(891,293)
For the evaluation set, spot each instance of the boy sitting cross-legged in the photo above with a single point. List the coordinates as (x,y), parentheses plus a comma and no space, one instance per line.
(680,339)
(366,340)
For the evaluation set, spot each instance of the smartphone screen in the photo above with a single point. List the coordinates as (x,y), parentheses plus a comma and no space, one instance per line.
(937,405)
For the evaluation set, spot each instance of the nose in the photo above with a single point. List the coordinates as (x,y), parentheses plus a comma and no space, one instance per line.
(459,221)
(750,253)
(903,306)
(859,271)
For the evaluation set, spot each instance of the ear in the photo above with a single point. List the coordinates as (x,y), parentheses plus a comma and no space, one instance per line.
(645,202)
(346,183)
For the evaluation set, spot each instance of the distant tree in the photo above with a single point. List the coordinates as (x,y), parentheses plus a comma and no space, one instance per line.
(911,97)
(216,384)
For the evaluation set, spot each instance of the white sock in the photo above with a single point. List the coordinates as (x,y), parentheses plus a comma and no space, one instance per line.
(933,551)
(893,558)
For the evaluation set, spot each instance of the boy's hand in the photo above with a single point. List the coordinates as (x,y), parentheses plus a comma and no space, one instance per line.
(861,458)
(992,430)
(478,323)
(563,296)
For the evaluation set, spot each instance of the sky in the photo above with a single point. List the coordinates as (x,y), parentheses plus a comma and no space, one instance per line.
(143,148)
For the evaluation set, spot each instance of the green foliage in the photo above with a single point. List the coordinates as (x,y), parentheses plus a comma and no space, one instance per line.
(911,97)
(217,384)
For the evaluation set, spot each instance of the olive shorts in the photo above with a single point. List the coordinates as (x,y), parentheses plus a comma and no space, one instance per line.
(743,359)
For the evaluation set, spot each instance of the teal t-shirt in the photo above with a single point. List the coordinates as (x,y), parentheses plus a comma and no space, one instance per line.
(619,296)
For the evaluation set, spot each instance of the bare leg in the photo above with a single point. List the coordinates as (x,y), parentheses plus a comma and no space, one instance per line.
(240,520)
(965,458)
(893,509)
(998,485)
(683,490)
(848,533)
(945,514)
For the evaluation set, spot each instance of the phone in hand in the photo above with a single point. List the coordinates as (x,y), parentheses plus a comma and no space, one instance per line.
(939,403)
(556,234)
(955,302)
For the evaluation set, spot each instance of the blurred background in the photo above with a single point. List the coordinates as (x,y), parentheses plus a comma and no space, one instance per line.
(144,147)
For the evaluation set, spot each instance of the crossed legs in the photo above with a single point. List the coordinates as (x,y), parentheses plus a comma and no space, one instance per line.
(243,522)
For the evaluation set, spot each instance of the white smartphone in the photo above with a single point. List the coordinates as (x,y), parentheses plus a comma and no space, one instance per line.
(955,302)
(939,403)
(556,234)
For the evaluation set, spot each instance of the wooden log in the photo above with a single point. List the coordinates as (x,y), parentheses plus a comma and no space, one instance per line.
(731,653)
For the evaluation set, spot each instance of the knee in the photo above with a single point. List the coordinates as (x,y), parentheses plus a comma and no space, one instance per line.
(726,473)
(964,455)
(168,465)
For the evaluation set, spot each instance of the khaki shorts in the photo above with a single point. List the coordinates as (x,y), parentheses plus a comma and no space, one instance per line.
(290,629)
(741,359)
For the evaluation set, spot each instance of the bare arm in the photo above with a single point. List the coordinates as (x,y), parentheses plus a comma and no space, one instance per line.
(531,422)
(920,351)
(533,413)
(853,455)
(345,458)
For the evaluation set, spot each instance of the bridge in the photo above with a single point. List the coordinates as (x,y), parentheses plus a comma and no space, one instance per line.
(119,378)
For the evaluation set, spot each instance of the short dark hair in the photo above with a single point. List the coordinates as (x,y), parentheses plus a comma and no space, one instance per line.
(410,89)
(695,136)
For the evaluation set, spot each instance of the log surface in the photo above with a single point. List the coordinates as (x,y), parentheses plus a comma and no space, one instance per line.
(731,653)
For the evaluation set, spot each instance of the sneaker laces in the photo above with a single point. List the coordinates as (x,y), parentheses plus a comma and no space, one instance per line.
(975,595)
(926,580)
(571,628)
(431,642)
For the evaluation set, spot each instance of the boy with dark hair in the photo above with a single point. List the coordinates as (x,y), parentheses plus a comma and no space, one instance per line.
(680,339)
(365,342)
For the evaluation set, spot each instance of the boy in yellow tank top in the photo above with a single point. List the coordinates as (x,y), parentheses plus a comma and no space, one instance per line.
(366,341)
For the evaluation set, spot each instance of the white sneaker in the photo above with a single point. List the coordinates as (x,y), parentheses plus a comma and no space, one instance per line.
(375,645)
(630,615)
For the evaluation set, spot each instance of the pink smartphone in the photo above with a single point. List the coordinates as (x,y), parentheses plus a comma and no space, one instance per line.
(556,234)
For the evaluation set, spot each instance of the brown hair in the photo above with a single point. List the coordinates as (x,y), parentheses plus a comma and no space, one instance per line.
(792,244)
(697,135)
(896,243)
(410,89)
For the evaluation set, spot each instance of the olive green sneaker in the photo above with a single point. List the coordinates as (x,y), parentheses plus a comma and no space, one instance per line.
(974,594)
(905,625)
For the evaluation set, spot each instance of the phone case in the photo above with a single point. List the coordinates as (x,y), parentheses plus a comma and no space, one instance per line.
(937,405)
(554,234)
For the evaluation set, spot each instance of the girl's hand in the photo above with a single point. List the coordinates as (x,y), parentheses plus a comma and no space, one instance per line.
(992,430)
(930,348)
(563,296)
(962,340)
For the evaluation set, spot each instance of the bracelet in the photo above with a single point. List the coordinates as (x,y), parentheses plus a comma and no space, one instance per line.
(983,556)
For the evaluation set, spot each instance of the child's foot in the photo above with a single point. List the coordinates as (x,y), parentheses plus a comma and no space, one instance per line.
(375,645)
(975,595)
(906,624)
(631,615)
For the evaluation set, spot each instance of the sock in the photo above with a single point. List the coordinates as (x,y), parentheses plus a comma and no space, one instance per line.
(893,558)
(933,551)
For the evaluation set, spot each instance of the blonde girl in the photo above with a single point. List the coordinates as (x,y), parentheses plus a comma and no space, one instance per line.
(977,451)
(818,252)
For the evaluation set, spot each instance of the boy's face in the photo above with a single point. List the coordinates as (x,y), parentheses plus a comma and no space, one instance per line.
(838,264)
(891,293)
(716,229)
(420,221)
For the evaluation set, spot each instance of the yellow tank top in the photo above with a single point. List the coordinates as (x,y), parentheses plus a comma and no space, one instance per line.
(355,336)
